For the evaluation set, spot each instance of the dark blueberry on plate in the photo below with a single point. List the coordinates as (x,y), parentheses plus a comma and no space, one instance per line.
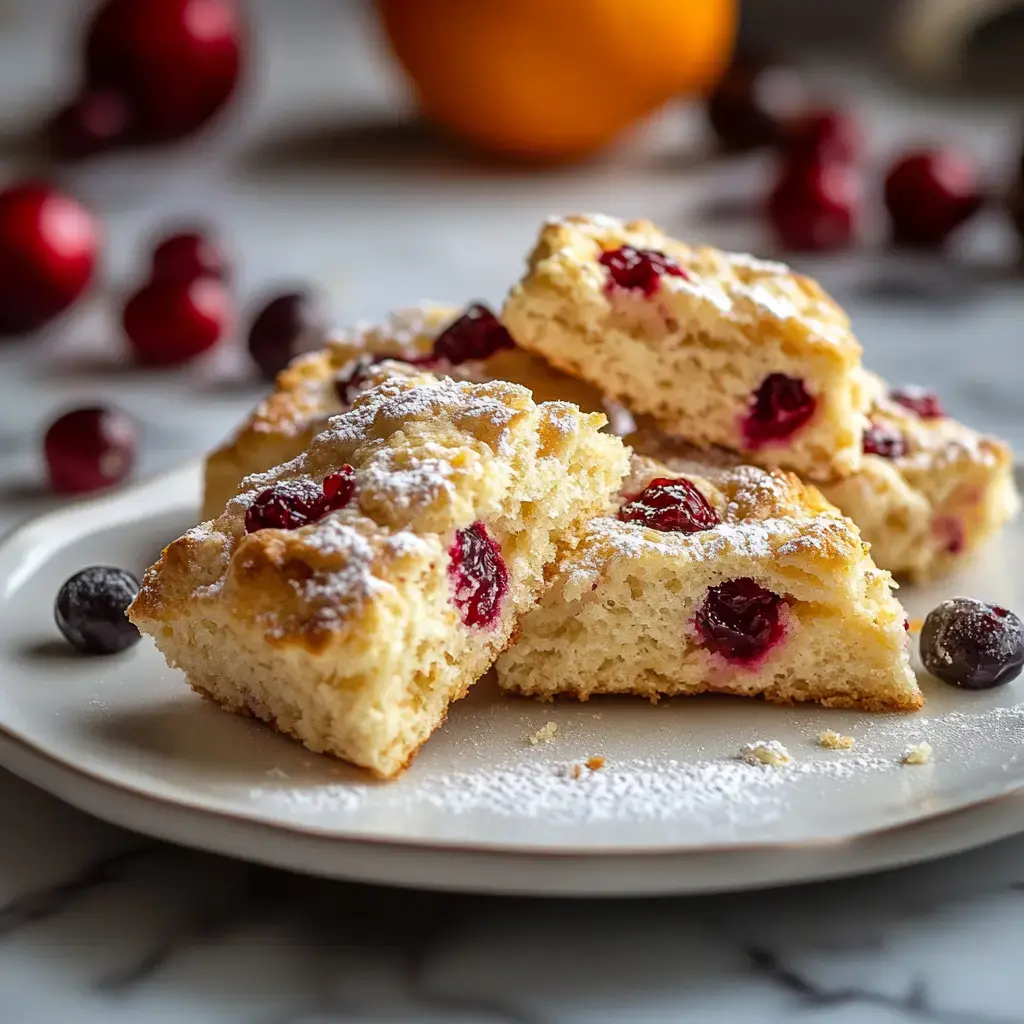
(973,645)
(90,610)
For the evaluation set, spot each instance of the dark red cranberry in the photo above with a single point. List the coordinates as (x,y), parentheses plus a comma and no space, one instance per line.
(478,576)
(930,193)
(90,610)
(169,323)
(48,248)
(175,62)
(295,503)
(815,206)
(881,439)
(950,530)
(971,644)
(780,407)
(740,620)
(925,404)
(752,101)
(186,255)
(822,136)
(94,121)
(285,327)
(477,334)
(672,506)
(89,449)
(639,269)
(1015,206)
(348,384)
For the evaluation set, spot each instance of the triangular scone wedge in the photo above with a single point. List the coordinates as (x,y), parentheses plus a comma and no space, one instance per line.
(354,632)
(776,596)
(721,349)
(321,384)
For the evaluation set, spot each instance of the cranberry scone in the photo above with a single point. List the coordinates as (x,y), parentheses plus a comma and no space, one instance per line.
(349,595)
(719,348)
(930,492)
(738,581)
(465,344)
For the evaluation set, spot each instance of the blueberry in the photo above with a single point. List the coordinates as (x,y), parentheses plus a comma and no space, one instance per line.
(90,610)
(971,644)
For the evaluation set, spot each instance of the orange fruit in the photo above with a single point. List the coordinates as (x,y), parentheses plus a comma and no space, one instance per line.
(551,79)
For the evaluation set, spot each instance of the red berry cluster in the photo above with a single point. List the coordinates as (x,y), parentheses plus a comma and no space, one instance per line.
(817,200)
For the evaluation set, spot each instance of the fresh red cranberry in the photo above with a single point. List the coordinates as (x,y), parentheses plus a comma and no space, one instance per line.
(186,255)
(880,439)
(639,269)
(285,327)
(94,121)
(971,644)
(477,334)
(90,448)
(174,62)
(672,506)
(780,407)
(925,404)
(930,193)
(815,206)
(740,620)
(48,248)
(169,323)
(822,136)
(752,101)
(295,503)
(478,576)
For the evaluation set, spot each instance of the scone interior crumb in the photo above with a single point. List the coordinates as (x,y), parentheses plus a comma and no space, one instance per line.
(918,753)
(832,740)
(770,752)
(545,734)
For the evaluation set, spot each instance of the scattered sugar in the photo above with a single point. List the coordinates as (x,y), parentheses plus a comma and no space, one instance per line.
(918,753)
(832,740)
(545,734)
(770,752)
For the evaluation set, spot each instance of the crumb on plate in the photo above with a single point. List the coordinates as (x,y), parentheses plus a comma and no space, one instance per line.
(595,763)
(919,753)
(545,734)
(832,740)
(765,752)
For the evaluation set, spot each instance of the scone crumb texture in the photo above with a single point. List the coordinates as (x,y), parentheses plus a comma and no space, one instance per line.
(765,752)
(545,734)
(919,753)
(832,740)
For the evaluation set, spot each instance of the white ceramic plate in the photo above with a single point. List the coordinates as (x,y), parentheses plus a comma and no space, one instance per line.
(671,810)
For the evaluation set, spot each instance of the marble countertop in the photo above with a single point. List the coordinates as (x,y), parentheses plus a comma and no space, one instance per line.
(323,178)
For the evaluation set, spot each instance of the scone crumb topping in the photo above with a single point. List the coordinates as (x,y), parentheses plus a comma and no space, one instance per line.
(832,740)
(765,752)
(919,753)
(545,734)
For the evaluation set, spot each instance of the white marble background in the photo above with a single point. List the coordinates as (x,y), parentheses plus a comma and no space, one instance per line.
(99,925)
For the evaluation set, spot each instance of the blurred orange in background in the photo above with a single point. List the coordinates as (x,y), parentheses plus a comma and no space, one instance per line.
(555,79)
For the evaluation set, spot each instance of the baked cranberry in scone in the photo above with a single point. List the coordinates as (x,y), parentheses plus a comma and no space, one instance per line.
(721,349)
(348,596)
(766,591)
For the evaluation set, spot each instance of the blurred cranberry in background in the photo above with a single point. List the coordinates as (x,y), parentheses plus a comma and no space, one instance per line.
(286,326)
(1015,206)
(816,206)
(89,448)
(154,71)
(929,193)
(48,248)
(823,136)
(171,322)
(752,101)
(185,255)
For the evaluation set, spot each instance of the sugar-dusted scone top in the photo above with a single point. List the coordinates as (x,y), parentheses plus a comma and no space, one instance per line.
(943,491)
(354,632)
(321,384)
(709,353)
(628,608)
